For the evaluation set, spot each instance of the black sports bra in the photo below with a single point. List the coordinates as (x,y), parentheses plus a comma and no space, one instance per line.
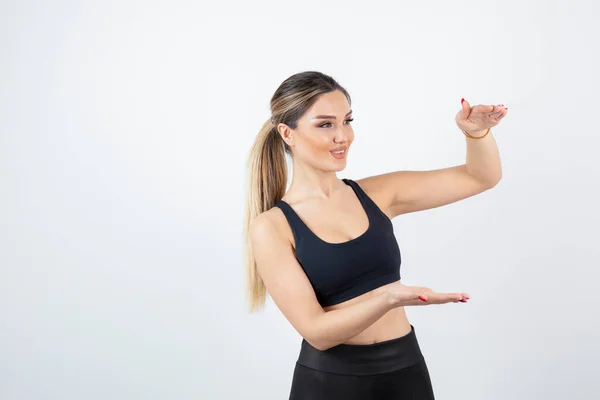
(341,271)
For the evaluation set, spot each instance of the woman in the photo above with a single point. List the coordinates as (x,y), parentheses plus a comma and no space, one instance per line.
(325,250)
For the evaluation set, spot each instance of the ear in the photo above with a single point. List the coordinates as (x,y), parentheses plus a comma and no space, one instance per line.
(286,134)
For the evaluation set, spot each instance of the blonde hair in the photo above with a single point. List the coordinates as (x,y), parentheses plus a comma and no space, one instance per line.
(267,167)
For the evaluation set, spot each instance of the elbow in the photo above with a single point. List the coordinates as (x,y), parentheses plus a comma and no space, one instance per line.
(488,178)
(496,179)
(315,341)
(320,344)
(317,333)
(491,180)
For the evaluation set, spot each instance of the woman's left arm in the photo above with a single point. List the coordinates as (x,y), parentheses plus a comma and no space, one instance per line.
(401,192)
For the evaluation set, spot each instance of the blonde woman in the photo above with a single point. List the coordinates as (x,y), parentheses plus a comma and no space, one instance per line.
(325,249)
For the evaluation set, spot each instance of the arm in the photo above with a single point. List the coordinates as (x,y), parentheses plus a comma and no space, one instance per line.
(293,294)
(401,192)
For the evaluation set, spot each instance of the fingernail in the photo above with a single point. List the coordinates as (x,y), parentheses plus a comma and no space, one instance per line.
(463,301)
(462,101)
(422,298)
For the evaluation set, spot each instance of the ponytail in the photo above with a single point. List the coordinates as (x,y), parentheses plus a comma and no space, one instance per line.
(267,180)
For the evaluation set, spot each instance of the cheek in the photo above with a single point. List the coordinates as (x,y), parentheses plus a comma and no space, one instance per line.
(317,144)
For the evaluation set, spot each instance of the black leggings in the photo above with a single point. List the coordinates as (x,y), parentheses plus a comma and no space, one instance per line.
(390,370)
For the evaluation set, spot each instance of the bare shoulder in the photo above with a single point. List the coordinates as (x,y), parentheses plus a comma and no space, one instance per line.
(268,227)
(271,238)
(374,186)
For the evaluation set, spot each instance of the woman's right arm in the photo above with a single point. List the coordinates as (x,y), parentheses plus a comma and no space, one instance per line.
(293,294)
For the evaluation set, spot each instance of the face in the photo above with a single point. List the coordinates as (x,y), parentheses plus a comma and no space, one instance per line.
(322,131)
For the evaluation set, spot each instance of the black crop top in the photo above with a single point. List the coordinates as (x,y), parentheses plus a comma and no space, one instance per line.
(341,271)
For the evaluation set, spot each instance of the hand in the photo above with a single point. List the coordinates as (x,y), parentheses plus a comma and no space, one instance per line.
(476,120)
(401,295)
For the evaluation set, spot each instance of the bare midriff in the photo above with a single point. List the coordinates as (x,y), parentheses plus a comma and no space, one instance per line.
(391,325)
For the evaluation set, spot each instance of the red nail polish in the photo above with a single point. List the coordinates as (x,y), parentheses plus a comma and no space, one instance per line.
(422,298)
(462,101)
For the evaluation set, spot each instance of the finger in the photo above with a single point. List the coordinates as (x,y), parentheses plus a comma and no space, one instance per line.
(498,110)
(483,109)
(482,112)
(463,298)
(457,297)
(499,116)
(465,110)
(447,298)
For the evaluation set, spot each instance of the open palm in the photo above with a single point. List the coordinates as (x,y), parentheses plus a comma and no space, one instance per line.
(419,295)
(479,118)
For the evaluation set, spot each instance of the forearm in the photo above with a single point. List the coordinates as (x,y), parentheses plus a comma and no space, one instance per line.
(483,159)
(336,326)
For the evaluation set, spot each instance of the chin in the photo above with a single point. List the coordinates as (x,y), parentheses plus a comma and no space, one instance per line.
(340,166)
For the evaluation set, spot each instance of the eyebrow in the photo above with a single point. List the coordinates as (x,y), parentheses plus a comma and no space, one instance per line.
(330,116)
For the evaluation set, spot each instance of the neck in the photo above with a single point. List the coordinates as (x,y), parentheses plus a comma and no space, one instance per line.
(309,182)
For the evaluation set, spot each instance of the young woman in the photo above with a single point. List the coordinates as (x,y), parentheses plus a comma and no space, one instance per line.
(325,250)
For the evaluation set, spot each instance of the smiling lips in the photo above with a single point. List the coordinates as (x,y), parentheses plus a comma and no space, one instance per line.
(339,153)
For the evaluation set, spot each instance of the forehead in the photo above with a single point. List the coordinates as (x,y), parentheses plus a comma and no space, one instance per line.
(332,103)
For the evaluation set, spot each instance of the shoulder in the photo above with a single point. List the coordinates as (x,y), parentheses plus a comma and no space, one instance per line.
(269,227)
(375,188)
(271,243)
(372,184)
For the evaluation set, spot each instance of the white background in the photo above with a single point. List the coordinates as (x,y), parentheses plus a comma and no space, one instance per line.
(124,132)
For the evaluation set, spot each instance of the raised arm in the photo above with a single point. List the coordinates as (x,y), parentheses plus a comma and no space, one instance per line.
(401,192)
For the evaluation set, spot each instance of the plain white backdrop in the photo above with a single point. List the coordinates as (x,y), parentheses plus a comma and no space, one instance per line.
(124,132)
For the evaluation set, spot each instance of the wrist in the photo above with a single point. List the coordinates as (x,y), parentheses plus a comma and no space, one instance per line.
(477,134)
(390,300)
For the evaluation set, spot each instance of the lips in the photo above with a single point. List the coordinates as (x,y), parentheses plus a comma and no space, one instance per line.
(338,149)
(339,153)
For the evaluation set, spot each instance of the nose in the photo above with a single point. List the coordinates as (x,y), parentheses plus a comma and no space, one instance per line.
(340,136)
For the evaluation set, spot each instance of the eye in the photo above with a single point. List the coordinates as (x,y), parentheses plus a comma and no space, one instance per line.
(329,123)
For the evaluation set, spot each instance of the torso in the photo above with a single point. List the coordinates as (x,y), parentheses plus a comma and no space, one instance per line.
(348,216)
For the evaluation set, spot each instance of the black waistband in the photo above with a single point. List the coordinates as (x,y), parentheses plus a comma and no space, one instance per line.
(363,359)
